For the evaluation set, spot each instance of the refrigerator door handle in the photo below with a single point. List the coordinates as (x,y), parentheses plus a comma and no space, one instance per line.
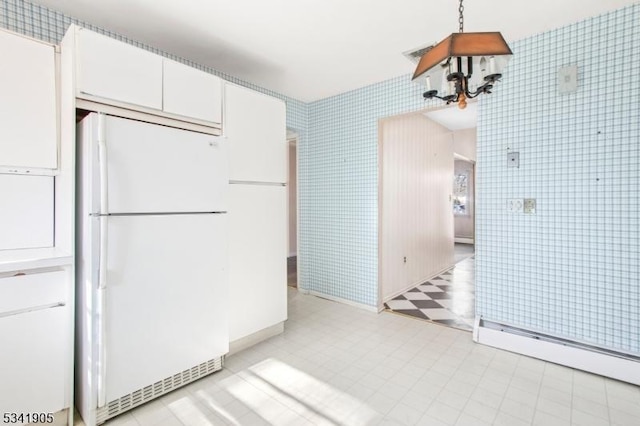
(102,350)
(102,260)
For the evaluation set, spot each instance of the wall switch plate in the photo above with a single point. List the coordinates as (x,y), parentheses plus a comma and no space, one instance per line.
(514,205)
(513,159)
(529,206)
(568,79)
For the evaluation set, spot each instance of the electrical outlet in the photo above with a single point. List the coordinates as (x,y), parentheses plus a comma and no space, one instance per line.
(529,206)
(513,159)
(514,205)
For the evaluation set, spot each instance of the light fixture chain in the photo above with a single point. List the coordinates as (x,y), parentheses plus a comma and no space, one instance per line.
(461,17)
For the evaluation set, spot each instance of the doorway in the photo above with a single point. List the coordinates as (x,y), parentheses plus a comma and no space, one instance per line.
(415,220)
(292,256)
(445,295)
(463,207)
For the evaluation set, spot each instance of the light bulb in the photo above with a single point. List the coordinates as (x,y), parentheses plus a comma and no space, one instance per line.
(462,101)
(428,82)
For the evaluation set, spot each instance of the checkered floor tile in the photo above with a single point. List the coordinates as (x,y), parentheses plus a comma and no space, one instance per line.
(447,299)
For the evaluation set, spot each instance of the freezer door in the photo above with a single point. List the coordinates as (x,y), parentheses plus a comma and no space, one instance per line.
(153,168)
(165,301)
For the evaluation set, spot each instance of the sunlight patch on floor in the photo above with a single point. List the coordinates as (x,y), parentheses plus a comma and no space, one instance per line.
(271,384)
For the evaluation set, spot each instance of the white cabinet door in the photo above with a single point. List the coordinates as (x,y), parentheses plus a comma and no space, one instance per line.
(28,129)
(256,127)
(26,211)
(191,92)
(258,258)
(112,69)
(34,355)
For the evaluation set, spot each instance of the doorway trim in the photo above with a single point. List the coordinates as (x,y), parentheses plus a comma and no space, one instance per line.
(292,140)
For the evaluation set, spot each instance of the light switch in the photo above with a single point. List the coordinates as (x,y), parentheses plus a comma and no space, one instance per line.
(529,206)
(513,159)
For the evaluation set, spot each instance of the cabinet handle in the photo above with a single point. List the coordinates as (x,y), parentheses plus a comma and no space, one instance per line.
(31,309)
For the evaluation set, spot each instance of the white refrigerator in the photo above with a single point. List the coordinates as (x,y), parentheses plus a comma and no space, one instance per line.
(152,256)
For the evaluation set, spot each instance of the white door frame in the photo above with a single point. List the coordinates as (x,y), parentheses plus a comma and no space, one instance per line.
(292,140)
(457,156)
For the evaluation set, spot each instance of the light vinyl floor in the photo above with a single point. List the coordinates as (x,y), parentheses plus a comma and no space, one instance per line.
(340,365)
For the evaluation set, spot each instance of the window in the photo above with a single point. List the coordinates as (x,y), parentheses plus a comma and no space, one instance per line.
(460,193)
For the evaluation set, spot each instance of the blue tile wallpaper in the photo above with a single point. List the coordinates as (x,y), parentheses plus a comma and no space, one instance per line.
(339,188)
(572,268)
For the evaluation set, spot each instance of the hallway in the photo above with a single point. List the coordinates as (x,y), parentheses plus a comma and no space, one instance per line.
(447,299)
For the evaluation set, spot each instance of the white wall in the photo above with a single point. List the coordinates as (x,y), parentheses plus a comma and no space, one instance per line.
(464,143)
(416,222)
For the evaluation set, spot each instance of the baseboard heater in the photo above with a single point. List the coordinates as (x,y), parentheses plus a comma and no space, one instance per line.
(594,359)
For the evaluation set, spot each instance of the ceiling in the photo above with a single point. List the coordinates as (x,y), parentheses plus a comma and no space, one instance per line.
(454,118)
(312,49)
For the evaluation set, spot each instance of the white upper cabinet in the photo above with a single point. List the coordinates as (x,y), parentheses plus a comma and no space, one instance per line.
(114,70)
(255,125)
(28,114)
(191,92)
(111,72)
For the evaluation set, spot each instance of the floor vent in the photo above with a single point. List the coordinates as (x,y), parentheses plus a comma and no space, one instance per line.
(140,396)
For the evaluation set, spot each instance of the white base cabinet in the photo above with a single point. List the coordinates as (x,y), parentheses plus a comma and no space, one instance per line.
(35,332)
(258,258)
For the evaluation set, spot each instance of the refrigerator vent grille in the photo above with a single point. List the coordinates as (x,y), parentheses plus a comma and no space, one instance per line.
(127,402)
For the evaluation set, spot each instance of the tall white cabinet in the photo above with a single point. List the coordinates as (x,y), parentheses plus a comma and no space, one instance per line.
(36,261)
(255,125)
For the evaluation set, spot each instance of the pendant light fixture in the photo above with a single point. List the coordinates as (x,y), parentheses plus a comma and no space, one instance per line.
(463,65)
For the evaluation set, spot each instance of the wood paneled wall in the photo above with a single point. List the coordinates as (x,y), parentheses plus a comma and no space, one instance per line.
(415,216)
